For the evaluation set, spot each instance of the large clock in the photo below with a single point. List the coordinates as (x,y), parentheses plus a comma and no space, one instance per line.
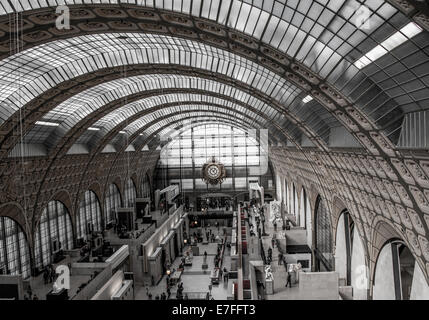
(213,172)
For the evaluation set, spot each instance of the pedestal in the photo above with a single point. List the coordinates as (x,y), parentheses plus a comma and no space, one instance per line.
(195,250)
(269,286)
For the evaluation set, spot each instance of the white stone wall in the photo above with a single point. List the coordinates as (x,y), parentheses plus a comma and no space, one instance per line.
(340,250)
(360,272)
(384,286)
(420,288)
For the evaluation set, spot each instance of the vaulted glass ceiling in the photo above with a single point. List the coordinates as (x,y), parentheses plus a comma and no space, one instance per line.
(94,52)
(80,106)
(48,65)
(326,36)
(150,124)
(153,129)
(252,119)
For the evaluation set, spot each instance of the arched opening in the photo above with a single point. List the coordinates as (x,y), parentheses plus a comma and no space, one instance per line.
(145,187)
(278,187)
(344,246)
(350,261)
(288,202)
(112,201)
(397,275)
(130,193)
(53,235)
(324,260)
(88,218)
(284,194)
(295,205)
(303,209)
(14,252)
(309,219)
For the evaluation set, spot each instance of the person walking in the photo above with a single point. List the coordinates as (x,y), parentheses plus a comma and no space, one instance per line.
(280,258)
(167,281)
(270,253)
(52,274)
(225,275)
(45,275)
(289,280)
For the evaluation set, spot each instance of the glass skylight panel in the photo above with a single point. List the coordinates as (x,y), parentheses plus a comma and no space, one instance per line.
(46,123)
(395,40)
(307,99)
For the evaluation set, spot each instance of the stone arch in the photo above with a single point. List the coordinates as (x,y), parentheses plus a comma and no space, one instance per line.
(96,188)
(15,211)
(86,215)
(144,176)
(65,234)
(20,256)
(323,250)
(119,184)
(65,198)
(351,258)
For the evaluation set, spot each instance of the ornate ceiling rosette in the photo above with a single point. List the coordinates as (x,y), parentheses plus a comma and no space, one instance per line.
(213,172)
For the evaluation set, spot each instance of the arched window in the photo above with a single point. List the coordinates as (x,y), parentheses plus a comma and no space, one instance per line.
(278,187)
(295,205)
(288,197)
(14,253)
(89,216)
(285,201)
(344,246)
(394,272)
(303,209)
(145,187)
(112,201)
(130,193)
(323,248)
(54,233)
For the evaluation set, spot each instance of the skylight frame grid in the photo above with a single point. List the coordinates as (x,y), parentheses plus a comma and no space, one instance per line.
(83,66)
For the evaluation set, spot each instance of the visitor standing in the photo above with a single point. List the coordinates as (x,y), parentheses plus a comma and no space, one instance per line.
(225,275)
(289,280)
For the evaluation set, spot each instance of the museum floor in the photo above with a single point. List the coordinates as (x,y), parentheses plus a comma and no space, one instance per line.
(279,272)
(194,278)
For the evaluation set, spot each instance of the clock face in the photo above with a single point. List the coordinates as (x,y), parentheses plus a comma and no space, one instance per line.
(213,171)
